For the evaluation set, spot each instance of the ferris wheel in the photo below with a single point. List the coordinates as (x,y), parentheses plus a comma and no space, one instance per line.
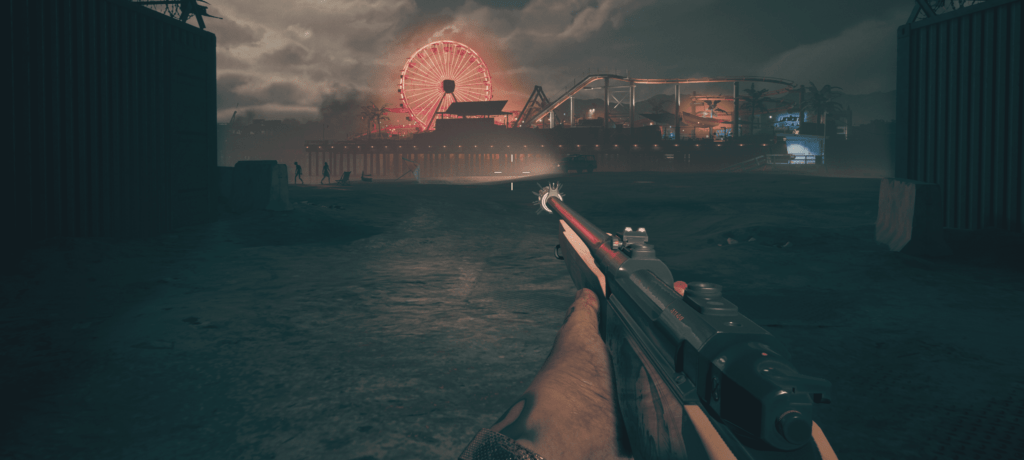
(438,74)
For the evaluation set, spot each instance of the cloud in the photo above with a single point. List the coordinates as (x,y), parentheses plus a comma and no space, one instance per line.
(861,59)
(232,33)
(592,18)
(294,53)
(574,20)
(227,61)
(288,56)
(282,92)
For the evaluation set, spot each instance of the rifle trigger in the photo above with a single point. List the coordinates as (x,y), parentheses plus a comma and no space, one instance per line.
(557,254)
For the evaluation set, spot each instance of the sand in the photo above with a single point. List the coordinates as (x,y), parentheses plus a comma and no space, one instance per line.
(394,320)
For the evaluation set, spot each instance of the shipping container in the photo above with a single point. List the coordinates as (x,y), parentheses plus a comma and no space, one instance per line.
(112,126)
(959,115)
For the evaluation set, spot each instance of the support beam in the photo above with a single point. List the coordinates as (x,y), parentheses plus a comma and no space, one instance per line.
(604,124)
(800,105)
(572,113)
(677,115)
(735,108)
(693,110)
(632,107)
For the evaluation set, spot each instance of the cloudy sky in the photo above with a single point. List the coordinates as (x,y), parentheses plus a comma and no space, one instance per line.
(287,59)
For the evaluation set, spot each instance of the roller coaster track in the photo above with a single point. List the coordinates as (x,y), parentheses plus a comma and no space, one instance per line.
(647,81)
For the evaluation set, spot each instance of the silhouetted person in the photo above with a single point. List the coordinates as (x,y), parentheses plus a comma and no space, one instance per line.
(327,174)
(298,173)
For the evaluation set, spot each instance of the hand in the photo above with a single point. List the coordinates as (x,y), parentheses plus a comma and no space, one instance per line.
(569,411)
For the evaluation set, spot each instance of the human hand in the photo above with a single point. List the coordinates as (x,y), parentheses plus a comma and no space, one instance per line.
(569,411)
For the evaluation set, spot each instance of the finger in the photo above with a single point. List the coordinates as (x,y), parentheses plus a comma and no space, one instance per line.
(680,287)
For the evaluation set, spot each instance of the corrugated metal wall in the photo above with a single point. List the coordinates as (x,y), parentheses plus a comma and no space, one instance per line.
(960,112)
(113,119)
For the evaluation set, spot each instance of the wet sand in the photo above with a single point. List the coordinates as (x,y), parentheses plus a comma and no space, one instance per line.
(394,320)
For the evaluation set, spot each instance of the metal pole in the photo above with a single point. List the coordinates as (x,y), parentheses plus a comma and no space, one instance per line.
(572,112)
(800,106)
(825,137)
(604,124)
(632,108)
(735,108)
(677,114)
(693,111)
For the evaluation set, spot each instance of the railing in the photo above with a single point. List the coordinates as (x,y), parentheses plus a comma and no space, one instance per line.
(771,160)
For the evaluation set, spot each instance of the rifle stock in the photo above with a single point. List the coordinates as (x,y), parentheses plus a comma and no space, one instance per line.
(694,378)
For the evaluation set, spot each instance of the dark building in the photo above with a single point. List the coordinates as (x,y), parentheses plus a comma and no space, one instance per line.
(112,129)
(960,111)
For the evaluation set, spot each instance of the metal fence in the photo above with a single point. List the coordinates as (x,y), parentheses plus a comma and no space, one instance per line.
(960,112)
(112,126)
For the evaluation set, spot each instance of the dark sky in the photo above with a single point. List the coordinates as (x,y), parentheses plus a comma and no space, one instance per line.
(285,58)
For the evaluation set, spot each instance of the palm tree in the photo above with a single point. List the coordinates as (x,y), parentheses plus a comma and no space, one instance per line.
(380,115)
(823,100)
(756,100)
(368,112)
(373,116)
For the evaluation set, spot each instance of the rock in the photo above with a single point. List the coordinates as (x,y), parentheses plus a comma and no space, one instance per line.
(786,245)
(732,241)
(752,239)
(910,217)
(258,185)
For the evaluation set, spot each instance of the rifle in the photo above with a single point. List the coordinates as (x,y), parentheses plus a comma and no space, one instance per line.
(694,378)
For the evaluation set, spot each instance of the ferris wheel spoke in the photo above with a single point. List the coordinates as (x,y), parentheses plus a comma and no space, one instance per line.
(459,58)
(424,99)
(419,103)
(445,62)
(474,89)
(461,71)
(436,66)
(459,61)
(474,75)
(430,66)
(431,71)
(451,59)
(470,95)
(418,73)
(469,72)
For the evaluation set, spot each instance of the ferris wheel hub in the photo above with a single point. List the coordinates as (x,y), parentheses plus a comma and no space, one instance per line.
(448,86)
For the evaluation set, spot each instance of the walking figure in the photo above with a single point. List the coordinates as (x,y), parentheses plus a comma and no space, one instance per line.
(298,173)
(327,174)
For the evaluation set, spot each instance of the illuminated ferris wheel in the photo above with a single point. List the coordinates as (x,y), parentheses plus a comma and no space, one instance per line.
(438,74)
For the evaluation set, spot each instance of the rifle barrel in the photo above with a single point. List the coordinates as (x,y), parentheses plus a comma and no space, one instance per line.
(596,240)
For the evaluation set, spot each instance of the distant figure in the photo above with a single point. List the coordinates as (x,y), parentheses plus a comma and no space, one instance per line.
(327,174)
(298,173)
(417,174)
